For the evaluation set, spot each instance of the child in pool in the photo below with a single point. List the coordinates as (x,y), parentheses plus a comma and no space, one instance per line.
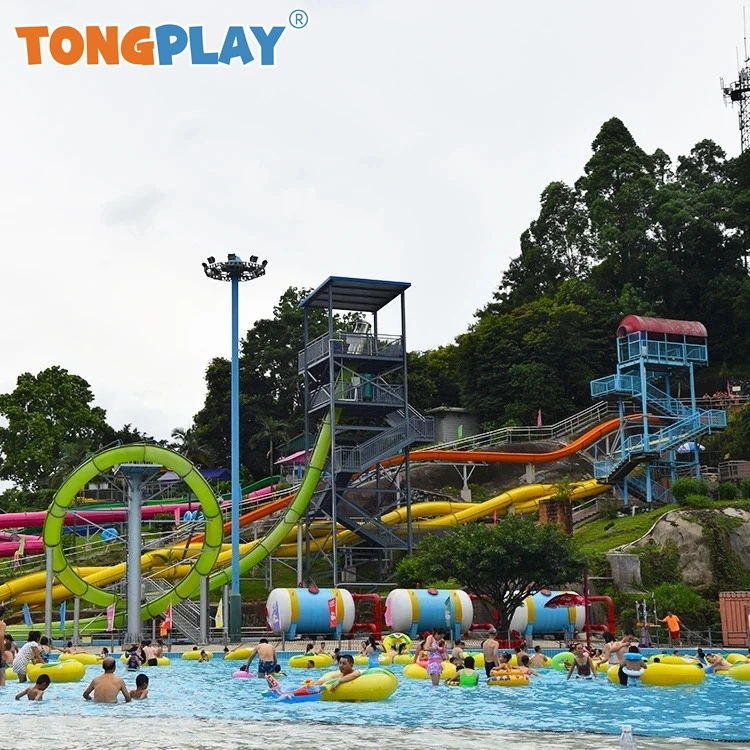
(36,691)
(467,676)
(524,667)
(141,688)
(134,663)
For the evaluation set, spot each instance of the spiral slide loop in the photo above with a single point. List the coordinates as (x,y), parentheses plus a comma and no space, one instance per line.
(134,453)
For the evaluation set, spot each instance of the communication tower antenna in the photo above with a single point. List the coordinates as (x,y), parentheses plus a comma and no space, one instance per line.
(739,92)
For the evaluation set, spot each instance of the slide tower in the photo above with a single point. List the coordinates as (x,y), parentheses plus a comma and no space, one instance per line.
(656,357)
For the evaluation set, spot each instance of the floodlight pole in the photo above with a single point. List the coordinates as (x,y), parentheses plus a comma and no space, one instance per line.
(234,270)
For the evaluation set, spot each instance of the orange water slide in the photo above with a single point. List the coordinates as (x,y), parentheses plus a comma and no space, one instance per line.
(254,515)
(584,441)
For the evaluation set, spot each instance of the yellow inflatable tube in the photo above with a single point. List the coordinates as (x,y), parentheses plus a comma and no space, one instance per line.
(82,658)
(195,655)
(65,671)
(418,672)
(374,684)
(508,680)
(394,640)
(734,658)
(665,675)
(319,660)
(239,654)
(671,659)
(161,661)
(478,657)
(361,660)
(514,661)
(740,671)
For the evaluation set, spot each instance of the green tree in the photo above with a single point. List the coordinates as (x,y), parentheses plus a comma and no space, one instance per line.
(618,186)
(433,378)
(187,442)
(556,246)
(45,413)
(541,354)
(271,432)
(506,563)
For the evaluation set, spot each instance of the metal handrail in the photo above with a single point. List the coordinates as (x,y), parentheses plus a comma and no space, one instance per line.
(582,420)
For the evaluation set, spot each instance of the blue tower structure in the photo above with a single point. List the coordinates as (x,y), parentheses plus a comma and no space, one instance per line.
(653,354)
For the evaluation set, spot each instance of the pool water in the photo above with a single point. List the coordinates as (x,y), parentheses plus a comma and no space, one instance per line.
(206,698)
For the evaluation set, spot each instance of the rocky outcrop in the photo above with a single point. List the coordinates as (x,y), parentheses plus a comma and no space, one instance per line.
(683,529)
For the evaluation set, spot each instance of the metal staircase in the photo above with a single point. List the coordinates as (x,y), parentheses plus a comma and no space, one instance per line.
(415,429)
(186,614)
(638,448)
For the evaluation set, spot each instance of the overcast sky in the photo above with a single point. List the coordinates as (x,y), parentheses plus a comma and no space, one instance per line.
(397,139)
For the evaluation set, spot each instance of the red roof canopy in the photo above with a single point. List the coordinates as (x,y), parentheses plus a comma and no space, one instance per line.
(635,323)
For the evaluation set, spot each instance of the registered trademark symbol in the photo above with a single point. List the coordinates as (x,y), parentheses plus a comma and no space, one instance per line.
(298,19)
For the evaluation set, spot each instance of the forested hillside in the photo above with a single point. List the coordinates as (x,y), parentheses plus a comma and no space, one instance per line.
(637,233)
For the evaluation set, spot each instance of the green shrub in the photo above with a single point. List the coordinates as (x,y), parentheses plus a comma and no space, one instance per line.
(609,508)
(727,491)
(659,564)
(685,486)
(745,489)
(695,501)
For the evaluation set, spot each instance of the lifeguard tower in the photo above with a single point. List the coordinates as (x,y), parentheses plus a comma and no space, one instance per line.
(359,380)
(653,355)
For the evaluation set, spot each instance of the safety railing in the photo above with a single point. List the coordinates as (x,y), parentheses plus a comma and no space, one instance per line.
(633,347)
(349,342)
(578,422)
(363,391)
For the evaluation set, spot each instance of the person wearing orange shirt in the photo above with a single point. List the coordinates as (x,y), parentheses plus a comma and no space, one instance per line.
(673,623)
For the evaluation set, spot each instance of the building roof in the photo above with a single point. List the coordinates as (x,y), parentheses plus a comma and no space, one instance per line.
(220,474)
(447,409)
(298,457)
(361,295)
(635,323)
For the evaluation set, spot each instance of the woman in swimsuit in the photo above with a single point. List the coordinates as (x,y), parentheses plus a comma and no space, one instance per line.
(582,665)
(372,651)
(434,658)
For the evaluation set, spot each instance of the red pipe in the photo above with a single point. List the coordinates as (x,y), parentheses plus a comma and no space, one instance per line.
(611,624)
(375,627)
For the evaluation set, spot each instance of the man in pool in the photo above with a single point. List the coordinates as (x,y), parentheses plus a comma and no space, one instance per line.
(107,686)
(267,659)
(489,649)
(346,670)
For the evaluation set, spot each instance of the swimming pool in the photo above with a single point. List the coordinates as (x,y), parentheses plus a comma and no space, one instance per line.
(205,695)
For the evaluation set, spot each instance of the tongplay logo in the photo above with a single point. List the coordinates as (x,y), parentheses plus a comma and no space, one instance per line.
(143,45)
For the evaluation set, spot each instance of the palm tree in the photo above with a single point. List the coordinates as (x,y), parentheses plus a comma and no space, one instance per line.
(273,431)
(187,443)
